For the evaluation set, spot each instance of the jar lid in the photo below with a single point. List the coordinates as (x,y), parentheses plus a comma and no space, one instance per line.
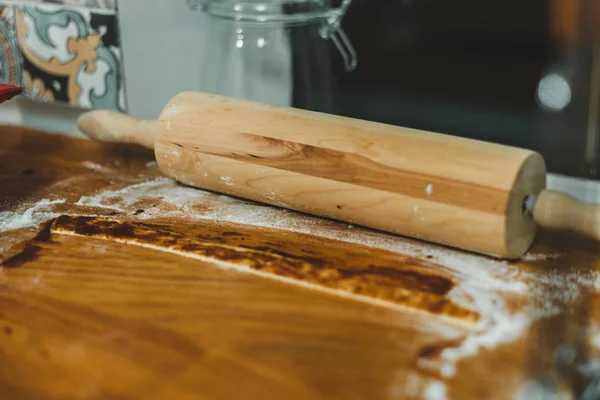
(265,10)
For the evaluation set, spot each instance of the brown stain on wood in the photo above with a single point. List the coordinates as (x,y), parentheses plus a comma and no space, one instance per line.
(358,270)
(29,253)
(30,249)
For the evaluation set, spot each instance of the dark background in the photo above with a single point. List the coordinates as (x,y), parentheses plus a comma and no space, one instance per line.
(468,68)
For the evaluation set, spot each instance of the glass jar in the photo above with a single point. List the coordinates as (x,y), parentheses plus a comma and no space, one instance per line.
(274,51)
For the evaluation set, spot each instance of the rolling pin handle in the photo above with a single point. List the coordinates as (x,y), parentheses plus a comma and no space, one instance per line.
(114,127)
(559,211)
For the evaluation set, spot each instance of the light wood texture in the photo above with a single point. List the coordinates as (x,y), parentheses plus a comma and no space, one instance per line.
(420,184)
(556,210)
(113,127)
(85,317)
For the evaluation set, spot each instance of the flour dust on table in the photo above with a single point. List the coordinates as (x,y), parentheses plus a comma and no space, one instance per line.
(483,283)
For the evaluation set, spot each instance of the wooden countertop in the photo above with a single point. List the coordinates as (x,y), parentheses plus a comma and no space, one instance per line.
(117,283)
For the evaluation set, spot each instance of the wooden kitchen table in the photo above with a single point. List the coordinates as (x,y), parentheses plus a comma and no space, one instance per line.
(117,283)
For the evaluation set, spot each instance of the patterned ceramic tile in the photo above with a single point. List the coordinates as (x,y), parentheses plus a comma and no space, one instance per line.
(11,62)
(63,54)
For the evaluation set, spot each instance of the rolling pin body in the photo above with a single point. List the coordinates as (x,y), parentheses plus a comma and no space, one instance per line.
(444,189)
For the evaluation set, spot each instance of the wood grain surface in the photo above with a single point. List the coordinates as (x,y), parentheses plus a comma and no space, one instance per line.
(238,300)
(321,264)
(556,210)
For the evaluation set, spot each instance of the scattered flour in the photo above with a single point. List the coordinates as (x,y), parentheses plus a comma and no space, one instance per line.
(542,257)
(504,328)
(95,167)
(448,370)
(482,282)
(594,336)
(533,390)
(32,216)
(151,164)
(416,386)
(130,195)
(410,387)
(228,180)
(483,272)
(436,390)
(596,340)
(429,189)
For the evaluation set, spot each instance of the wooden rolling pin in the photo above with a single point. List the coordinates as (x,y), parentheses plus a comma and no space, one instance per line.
(468,194)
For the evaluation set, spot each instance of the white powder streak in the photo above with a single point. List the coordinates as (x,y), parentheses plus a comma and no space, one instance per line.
(596,340)
(542,257)
(228,180)
(95,167)
(537,391)
(502,329)
(436,390)
(32,216)
(121,195)
(411,386)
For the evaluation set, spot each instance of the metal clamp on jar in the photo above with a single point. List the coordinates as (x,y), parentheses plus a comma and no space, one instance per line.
(274,51)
